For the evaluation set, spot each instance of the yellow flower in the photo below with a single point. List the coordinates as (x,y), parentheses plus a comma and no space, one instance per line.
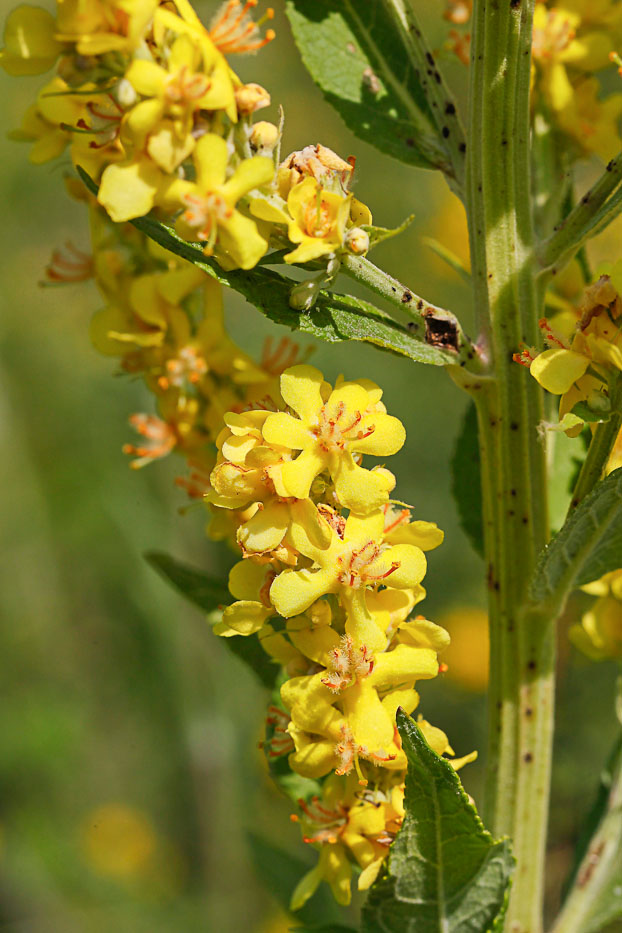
(350,566)
(30,44)
(330,428)
(348,826)
(119,842)
(467,655)
(582,370)
(144,309)
(572,40)
(318,220)
(191,81)
(599,636)
(100,26)
(211,216)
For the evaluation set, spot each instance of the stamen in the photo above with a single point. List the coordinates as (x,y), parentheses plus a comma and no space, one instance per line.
(233,31)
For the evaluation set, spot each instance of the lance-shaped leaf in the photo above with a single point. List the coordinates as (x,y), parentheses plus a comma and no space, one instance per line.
(358,56)
(445,874)
(588,545)
(466,482)
(209,594)
(334,318)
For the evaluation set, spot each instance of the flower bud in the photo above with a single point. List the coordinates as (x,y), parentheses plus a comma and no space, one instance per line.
(126,95)
(251,97)
(357,240)
(264,137)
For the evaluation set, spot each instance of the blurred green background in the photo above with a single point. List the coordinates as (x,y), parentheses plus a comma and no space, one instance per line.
(130,776)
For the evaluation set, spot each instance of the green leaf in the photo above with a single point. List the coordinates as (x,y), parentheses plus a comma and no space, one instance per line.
(588,545)
(446,874)
(209,594)
(453,261)
(380,234)
(358,58)
(466,480)
(280,872)
(334,318)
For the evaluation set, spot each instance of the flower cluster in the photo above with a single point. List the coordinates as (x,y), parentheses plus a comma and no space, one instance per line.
(584,367)
(150,108)
(330,575)
(572,40)
(331,566)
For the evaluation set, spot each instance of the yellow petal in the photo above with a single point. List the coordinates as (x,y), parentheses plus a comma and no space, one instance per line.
(146,77)
(301,390)
(210,157)
(386,439)
(252,173)
(239,237)
(129,190)
(298,475)
(358,489)
(242,618)
(557,370)
(293,591)
(287,431)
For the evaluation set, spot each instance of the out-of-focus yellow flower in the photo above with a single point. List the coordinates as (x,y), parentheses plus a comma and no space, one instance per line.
(466,656)
(332,427)
(119,842)
(98,27)
(572,40)
(615,459)
(599,636)
(580,371)
(30,43)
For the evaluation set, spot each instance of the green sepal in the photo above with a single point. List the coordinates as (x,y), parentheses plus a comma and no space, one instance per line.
(583,410)
(380,234)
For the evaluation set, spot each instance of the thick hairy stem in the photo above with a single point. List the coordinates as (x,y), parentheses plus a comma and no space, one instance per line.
(513,459)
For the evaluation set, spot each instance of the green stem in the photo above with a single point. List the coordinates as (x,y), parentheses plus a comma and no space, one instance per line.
(513,460)
(427,320)
(598,454)
(599,871)
(596,209)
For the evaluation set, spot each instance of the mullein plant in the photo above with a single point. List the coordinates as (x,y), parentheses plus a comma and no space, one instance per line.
(187,192)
